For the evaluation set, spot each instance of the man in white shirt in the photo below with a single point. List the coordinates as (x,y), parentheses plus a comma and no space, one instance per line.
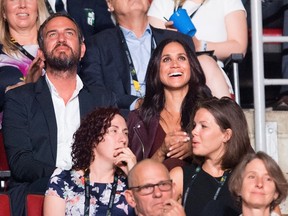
(40,118)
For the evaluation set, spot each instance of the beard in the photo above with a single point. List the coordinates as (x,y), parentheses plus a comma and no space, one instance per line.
(64,61)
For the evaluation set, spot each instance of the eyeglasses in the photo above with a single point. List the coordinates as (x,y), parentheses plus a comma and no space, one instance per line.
(149,188)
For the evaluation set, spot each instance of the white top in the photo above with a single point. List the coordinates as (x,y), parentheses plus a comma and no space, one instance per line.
(212,28)
(68,121)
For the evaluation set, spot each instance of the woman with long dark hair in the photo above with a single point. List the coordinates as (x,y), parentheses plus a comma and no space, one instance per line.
(174,82)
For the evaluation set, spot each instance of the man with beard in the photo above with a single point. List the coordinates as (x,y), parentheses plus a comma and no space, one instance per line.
(40,118)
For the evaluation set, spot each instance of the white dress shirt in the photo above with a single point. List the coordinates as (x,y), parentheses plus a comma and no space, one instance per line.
(68,121)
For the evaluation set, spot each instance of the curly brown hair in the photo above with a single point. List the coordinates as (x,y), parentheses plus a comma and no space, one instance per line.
(89,134)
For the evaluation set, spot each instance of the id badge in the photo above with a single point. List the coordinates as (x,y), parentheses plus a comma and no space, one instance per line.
(90,16)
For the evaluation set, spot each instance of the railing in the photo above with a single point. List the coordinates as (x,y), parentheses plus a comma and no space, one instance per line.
(259,81)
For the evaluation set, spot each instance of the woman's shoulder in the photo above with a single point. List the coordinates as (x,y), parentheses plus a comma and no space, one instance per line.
(274,214)
(160,8)
(69,176)
(191,168)
(162,4)
(134,113)
(64,175)
(134,117)
(231,5)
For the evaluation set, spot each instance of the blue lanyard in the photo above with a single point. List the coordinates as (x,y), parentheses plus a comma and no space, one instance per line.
(130,61)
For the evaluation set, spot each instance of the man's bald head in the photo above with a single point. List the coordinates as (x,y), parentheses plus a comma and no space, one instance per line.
(143,168)
(150,187)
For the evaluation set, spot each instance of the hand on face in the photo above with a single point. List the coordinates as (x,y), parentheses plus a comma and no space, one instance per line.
(124,159)
(173,208)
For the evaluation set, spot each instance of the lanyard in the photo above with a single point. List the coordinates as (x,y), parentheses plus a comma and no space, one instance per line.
(87,193)
(221,183)
(21,49)
(191,16)
(130,61)
(189,186)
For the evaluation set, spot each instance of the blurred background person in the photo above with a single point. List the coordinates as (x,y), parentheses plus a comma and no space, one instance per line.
(258,184)
(19,24)
(98,178)
(221,26)
(92,16)
(174,83)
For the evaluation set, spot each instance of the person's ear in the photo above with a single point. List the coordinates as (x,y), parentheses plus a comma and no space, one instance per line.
(130,198)
(41,55)
(227,135)
(276,195)
(110,6)
(83,49)
(174,192)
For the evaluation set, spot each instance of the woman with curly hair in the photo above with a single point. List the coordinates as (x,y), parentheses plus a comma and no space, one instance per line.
(101,161)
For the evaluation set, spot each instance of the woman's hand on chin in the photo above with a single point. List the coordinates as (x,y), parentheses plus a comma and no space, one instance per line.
(124,159)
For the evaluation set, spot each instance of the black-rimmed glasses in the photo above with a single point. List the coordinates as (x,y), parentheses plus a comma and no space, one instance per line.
(149,188)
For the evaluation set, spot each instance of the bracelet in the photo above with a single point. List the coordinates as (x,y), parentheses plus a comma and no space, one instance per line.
(203,45)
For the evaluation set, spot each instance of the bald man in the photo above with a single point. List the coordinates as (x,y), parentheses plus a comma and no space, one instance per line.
(151,189)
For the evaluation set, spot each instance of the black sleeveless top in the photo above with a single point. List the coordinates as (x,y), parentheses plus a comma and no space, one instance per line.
(200,197)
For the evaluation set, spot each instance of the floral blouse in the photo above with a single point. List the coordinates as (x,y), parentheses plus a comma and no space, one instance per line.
(69,185)
(19,61)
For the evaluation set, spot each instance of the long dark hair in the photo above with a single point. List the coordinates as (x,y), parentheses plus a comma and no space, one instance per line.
(154,99)
(228,115)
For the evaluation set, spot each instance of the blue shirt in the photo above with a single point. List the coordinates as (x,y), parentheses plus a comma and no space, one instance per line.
(140,51)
